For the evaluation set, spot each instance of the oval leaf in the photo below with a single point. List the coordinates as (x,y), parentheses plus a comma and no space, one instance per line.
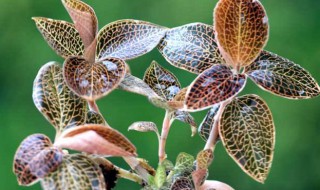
(35,158)
(163,82)
(282,77)
(128,39)
(144,126)
(76,172)
(248,134)
(204,159)
(60,106)
(61,36)
(216,185)
(133,84)
(207,123)
(241,30)
(191,47)
(182,183)
(96,139)
(84,19)
(184,163)
(214,85)
(92,81)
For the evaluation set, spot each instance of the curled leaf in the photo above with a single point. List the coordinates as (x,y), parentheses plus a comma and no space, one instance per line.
(248,134)
(51,95)
(163,82)
(76,172)
(207,123)
(191,47)
(241,30)
(35,158)
(144,126)
(185,117)
(96,139)
(282,77)
(214,85)
(61,36)
(84,19)
(128,39)
(92,81)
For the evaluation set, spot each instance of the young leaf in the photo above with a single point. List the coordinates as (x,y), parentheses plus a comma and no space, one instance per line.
(247,132)
(60,106)
(163,82)
(185,117)
(35,158)
(96,139)
(92,81)
(199,176)
(191,47)
(204,159)
(144,126)
(214,85)
(241,30)
(207,123)
(133,84)
(184,163)
(179,100)
(76,172)
(84,19)
(282,77)
(217,185)
(61,36)
(160,176)
(182,183)
(128,39)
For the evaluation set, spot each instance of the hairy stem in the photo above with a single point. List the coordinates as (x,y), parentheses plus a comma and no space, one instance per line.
(93,106)
(214,133)
(164,134)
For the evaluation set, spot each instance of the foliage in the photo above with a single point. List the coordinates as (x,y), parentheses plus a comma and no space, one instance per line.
(223,56)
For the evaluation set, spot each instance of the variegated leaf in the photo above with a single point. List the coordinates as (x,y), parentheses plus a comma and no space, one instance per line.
(84,19)
(133,84)
(76,172)
(163,82)
(191,47)
(160,177)
(110,172)
(241,30)
(199,176)
(95,118)
(60,106)
(35,158)
(204,159)
(214,85)
(96,139)
(207,123)
(92,81)
(179,100)
(282,77)
(182,183)
(128,39)
(215,185)
(185,117)
(61,36)
(248,134)
(184,163)
(144,126)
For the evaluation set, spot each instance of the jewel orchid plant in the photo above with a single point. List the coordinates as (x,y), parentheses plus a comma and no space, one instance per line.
(223,56)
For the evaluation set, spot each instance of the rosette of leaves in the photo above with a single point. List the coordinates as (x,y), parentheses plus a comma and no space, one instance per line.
(95,60)
(38,159)
(224,56)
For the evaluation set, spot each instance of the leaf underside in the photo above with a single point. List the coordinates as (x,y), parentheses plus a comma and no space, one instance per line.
(92,81)
(162,82)
(128,39)
(59,105)
(191,47)
(241,30)
(214,85)
(282,77)
(144,126)
(76,172)
(248,134)
(61,36)
(207,123)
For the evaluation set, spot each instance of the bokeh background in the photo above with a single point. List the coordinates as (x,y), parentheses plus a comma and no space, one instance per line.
(295,29)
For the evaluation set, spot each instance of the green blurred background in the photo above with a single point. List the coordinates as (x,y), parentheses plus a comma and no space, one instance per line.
(295,29)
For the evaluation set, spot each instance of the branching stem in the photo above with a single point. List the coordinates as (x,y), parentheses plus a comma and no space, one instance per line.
(164,134)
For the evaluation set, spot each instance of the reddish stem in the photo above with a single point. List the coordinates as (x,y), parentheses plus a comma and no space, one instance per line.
(164,134)
(93,106)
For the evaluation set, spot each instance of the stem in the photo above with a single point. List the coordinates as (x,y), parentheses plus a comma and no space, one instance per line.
(129,175)
(134,163)
(164,134)
(93,106)
(214,133)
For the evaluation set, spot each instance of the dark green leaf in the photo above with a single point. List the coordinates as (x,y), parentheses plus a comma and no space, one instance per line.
(206,125)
